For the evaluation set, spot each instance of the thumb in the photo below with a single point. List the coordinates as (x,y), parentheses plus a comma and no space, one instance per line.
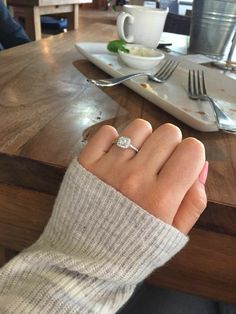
(193,204)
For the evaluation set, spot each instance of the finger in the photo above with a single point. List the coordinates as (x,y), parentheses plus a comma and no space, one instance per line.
(98,145)
(192,206)
(158,147)
(138,131)
(178,175)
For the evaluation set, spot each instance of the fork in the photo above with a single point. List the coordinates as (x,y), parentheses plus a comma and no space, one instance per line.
(197,91)
(166,70)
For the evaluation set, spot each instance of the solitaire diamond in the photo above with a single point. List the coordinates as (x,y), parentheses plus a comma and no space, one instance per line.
(123,142)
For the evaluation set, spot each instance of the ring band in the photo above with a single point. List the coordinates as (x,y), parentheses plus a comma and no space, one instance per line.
(125,142)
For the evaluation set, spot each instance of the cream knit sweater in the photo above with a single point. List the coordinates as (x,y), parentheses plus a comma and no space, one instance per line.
(97,246)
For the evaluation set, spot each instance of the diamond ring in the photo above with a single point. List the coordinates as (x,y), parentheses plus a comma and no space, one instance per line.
(125,142)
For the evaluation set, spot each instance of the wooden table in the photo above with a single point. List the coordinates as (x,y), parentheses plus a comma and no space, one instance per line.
(47,110)
(31,10)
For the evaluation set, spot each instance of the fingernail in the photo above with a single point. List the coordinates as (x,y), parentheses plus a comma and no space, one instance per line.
(203,174)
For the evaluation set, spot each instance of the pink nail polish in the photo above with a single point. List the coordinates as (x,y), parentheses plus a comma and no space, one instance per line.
(203,174)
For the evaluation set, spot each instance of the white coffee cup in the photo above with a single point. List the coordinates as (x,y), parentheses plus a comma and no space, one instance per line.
(141,25)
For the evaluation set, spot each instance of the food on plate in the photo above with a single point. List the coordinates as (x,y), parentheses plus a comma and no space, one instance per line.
(142,51)
(116,45)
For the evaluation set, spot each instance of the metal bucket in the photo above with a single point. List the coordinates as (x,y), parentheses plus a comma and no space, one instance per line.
(212,26)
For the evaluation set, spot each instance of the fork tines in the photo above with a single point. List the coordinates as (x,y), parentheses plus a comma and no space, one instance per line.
(196,82)
(167,69)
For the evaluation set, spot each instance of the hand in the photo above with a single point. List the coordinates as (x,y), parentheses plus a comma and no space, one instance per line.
(162,178)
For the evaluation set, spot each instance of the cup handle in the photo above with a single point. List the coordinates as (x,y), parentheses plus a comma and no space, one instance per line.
(121,20)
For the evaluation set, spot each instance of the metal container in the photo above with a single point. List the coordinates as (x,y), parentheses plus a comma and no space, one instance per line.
(212,26)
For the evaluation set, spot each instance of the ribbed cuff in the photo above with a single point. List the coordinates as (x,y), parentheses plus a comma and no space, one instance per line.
(112,237)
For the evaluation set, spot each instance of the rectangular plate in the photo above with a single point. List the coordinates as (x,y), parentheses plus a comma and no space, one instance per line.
(172,95)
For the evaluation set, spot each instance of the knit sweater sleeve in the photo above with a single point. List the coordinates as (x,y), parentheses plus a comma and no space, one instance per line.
(97,246)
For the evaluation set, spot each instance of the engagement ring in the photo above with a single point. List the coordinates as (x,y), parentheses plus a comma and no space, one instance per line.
(125,142)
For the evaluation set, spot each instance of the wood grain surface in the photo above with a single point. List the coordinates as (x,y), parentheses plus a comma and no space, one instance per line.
(48,110)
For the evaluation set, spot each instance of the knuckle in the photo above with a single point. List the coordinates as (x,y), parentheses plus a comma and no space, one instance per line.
(143,124)
(172,130)
(195,149)
(108,129)
(198,203)
(202,203)
(195,144)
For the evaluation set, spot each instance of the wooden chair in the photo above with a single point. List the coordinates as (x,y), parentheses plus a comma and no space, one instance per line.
(29,11)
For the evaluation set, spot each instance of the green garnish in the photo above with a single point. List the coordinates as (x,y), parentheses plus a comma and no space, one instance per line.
(116,45)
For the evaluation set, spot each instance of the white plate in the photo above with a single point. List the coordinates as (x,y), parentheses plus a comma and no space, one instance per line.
(171,96)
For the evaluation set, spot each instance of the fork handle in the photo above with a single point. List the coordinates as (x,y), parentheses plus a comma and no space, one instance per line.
(115,81)
(223,121)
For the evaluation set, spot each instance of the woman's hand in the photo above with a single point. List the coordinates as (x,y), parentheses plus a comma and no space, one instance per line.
(166,177)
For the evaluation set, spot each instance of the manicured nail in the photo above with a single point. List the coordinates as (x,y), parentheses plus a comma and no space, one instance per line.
(203,174)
